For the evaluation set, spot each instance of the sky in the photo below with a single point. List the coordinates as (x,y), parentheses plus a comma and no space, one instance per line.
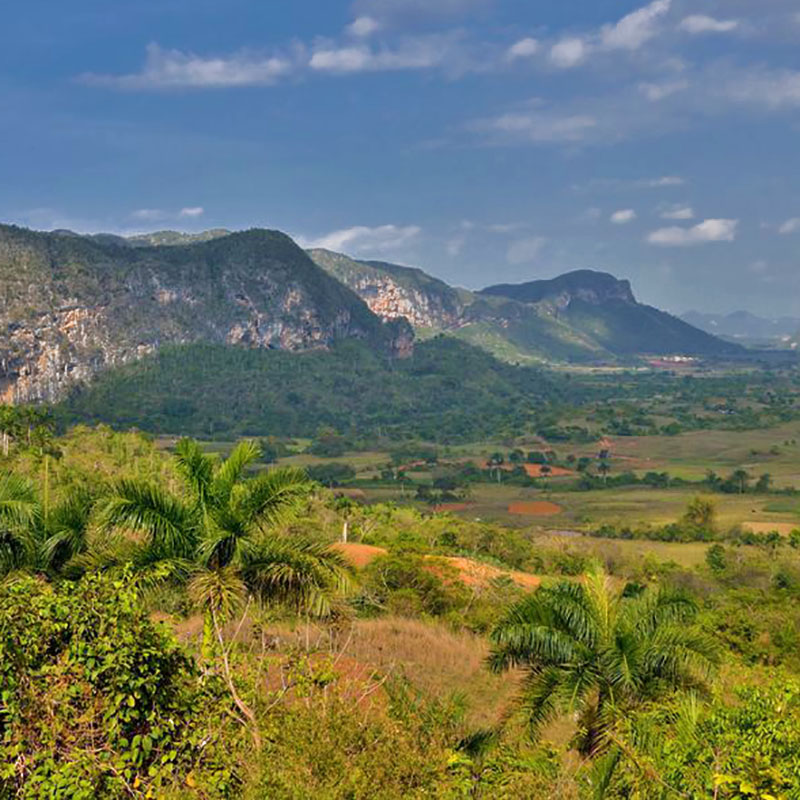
(482,140)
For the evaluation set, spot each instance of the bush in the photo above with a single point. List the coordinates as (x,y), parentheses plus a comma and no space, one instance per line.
(97,700)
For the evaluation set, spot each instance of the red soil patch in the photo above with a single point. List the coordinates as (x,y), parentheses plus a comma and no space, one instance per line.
(535,471)
(474,573)
(359,555)
(541,508)
(452,507)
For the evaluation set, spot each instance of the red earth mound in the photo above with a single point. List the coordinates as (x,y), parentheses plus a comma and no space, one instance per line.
(452,507)
(359,555)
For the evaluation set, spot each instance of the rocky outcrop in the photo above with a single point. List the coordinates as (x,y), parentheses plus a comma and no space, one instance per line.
(72,306)
(393,292)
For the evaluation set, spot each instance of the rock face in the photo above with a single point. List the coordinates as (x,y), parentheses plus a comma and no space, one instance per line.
(392,291)
(71,305)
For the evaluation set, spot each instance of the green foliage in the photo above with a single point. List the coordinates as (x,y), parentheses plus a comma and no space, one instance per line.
(98,701)
(591,650)
(747,750)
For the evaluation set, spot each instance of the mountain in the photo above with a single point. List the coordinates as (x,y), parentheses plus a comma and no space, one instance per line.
(392,291)
(604,308)
(744,326)
(583,316)
(74,305)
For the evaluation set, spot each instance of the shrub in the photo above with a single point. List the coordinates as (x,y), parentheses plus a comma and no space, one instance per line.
(97,700)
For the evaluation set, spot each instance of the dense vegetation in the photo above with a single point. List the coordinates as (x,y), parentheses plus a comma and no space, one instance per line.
(178,625)
(447,392)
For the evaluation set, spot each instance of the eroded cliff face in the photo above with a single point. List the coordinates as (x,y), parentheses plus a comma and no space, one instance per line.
(393,292)
(389,300)
(70,307)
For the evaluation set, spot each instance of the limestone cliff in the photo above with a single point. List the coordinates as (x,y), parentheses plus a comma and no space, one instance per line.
(71,306)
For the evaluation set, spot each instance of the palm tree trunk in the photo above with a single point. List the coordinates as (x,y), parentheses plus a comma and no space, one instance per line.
(207,648)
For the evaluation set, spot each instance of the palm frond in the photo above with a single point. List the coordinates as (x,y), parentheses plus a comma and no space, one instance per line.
(541,696)
(66,528)
(169,525)
(196,467)
(232,470)
(269,498)
(220,591)
(305,574)
(18,502)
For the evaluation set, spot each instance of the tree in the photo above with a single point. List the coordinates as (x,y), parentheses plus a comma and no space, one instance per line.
(701,514)
(764,483)
(38,537)
(220,533)
(741,480)
(588,649)
(716,559)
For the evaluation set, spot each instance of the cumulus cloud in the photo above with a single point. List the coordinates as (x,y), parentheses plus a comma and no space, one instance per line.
(192,211)
(635,29)
(790,226)
(524,48)
(700,23)
(363,27)
(710,230)
(538,126)
(410,53)
(361,239)
(524,251)
(174,69)
(678,212)
(774,88)
(568,53)
(623,216)
(659,91)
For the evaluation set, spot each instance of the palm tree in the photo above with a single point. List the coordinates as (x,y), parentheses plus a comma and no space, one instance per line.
(35,537)
(219,534)
(589,649)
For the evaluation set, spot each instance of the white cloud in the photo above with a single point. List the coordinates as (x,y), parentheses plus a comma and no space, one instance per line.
(700,23)
(192,211)
(569,53)
(363,27)
(711,230)
(635,29)
(623,216)
(524,48)
(174,69)
(790,226)
(539,126)
(775,89)
(678,212)
(524,251)
(361,240)
(659,91)
(410,53)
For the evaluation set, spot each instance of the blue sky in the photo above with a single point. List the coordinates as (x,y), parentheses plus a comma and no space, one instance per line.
(484,140)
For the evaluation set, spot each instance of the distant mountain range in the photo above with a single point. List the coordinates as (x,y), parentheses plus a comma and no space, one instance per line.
(75,305)
(583,316)
(746,327)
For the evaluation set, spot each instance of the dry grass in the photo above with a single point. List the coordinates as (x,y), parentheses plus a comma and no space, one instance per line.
(436,661)
(540,508)
(359,555)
